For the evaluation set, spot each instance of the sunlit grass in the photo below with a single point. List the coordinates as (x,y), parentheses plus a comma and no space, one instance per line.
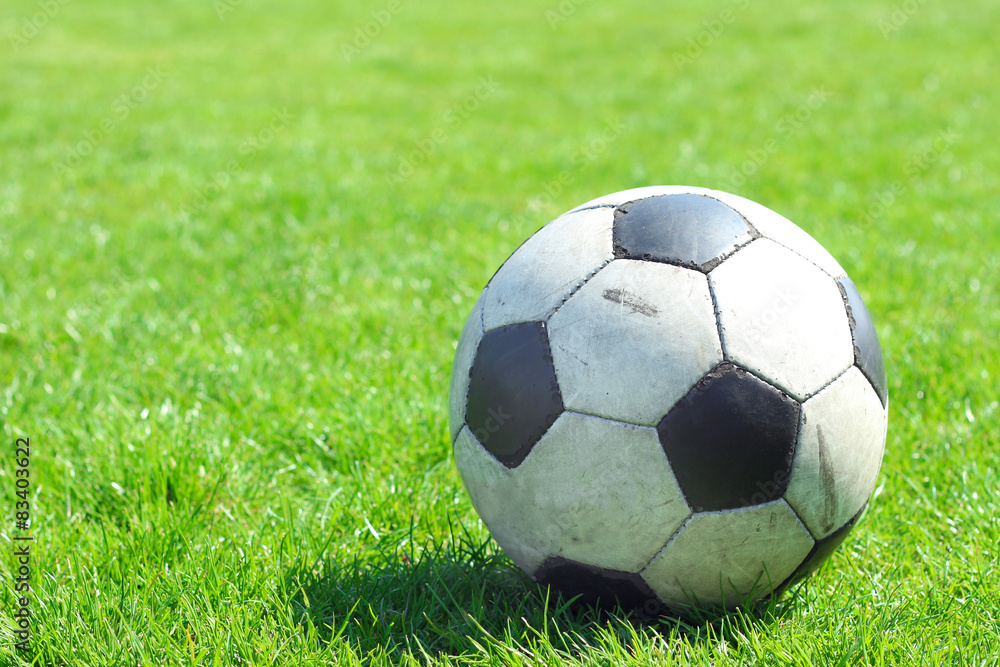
(229,337)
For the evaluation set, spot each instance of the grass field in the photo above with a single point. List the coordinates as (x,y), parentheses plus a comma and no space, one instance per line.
(239,239)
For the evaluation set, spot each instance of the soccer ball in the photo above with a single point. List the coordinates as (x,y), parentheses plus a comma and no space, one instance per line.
(669,397)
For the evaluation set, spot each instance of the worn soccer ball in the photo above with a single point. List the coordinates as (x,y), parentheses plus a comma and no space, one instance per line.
(669,397)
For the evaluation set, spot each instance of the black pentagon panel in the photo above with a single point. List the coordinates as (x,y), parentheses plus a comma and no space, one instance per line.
(731,440)
(513,393)
(688,230)
(867,351)
(598,586)
(820,553)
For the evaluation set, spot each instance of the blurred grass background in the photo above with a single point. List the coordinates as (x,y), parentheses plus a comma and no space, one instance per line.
(239,238)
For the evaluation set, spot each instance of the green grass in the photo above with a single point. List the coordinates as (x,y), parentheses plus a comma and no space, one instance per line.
(235,385)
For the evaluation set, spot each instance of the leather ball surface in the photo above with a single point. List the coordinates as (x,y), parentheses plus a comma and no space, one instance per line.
(669,397)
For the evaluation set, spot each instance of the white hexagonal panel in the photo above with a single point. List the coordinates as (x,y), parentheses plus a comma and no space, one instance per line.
(838,454)
(472,333)
(592,490)
(729,557)
(780,229)
(782,317)
(550,265)
(619,198)
(634,340)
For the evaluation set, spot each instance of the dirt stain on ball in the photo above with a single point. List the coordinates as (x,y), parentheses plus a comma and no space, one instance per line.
(631,302)
(827,482)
